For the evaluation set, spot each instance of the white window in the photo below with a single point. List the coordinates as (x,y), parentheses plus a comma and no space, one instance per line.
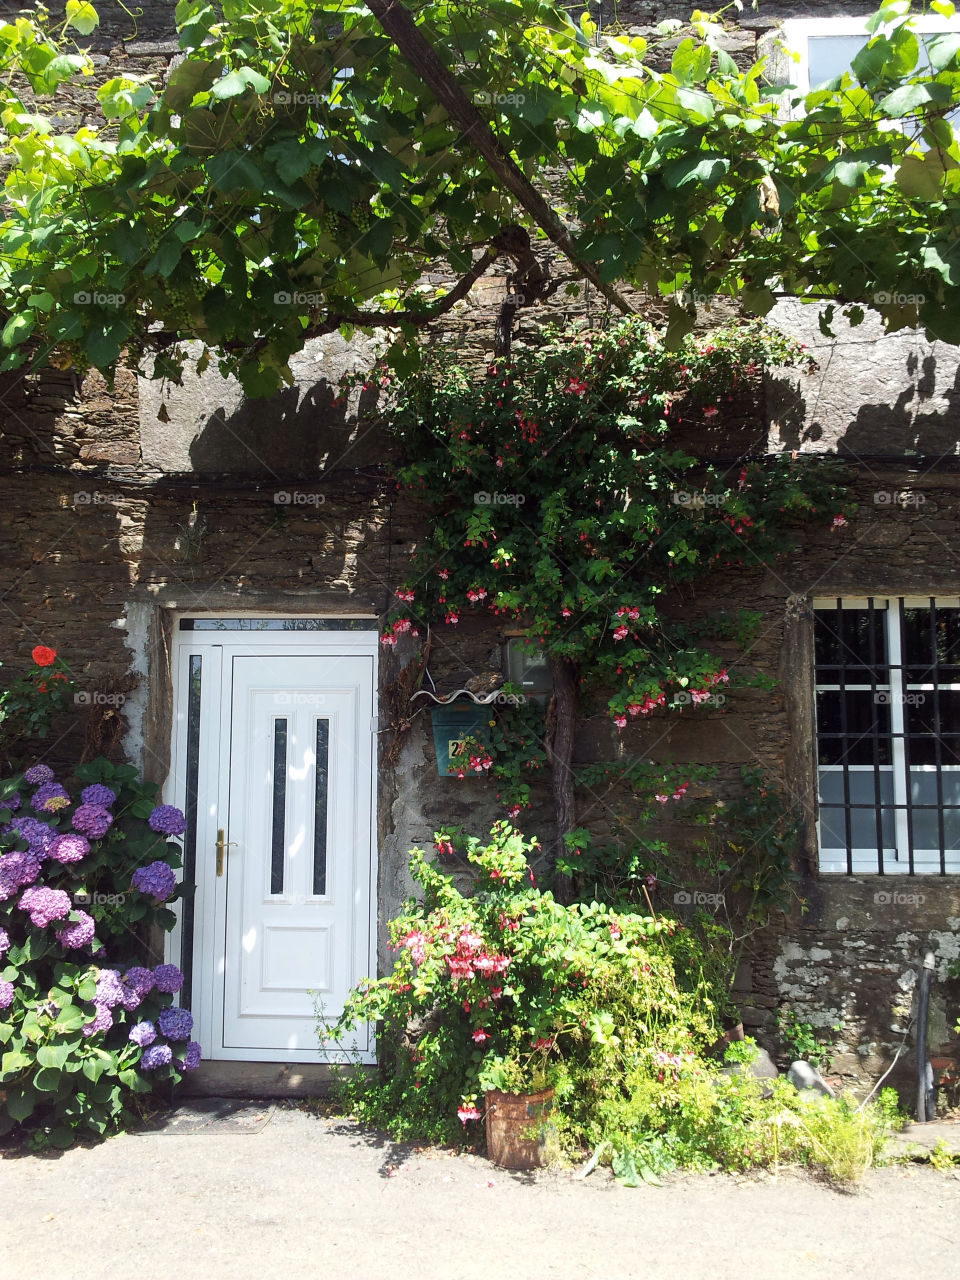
(888,734)
(826,47)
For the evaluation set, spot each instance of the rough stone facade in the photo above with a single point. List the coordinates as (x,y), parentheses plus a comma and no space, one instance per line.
(113,521)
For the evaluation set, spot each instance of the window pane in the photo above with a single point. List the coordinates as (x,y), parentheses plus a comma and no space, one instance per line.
(320,808)
(853,727)
(279,805)
(924,714)
(830,56)
(923,792)
(923,652)
(850,638)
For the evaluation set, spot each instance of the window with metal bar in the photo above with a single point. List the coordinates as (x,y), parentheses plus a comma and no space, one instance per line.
(888,735)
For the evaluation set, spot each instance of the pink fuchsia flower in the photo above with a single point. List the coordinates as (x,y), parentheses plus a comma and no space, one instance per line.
(621,633)
(443,574)
(661,799)
(576,387)
(406,596)
(566,613)
(710,411)
(542,1043)
(388,639)
(480,1036)
(620,721)
(416,943)
(452,618)
(77,934)
(468,1111)
(469,943)
(44,905)
(839,522)
(459,968)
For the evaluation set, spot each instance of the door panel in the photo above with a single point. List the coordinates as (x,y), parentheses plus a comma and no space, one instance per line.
(276,747)
(294,828)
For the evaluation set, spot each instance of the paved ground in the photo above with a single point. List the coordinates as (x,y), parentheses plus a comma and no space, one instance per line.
(301,1196)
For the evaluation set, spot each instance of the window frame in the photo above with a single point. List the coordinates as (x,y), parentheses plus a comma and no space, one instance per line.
(902,858)
(795,35)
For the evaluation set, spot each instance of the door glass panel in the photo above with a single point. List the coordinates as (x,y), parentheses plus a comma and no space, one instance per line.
(320,809)
(279,805)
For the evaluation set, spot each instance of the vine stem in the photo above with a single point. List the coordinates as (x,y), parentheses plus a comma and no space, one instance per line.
(565,701)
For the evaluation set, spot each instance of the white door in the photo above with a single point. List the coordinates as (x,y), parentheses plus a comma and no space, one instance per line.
(276,752)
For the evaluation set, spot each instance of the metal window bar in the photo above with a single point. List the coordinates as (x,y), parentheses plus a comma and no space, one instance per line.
(937,739)
(844,741)
(902,799)
(875,727)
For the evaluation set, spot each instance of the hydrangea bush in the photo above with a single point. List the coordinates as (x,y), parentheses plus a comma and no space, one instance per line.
(87,871)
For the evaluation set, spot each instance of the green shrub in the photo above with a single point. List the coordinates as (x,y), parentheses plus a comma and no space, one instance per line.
(506,988)
(86,1021)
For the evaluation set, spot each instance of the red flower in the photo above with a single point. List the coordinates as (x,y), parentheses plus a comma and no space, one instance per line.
(44,656)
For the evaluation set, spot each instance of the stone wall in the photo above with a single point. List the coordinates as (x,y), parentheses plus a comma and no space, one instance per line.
(113,520)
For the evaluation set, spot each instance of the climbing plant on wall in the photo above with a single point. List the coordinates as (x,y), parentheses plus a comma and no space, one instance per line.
(559,499)
(305,165)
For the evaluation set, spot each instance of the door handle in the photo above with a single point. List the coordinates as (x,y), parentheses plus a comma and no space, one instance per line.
(222,846)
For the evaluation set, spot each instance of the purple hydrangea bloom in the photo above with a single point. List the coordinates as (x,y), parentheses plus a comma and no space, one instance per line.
(157,880)
(99,795)
(49,798)
(102,1021)
(143,1033)
(12,803)
(139,979)
(43,905)
(192,1056)
(176,1024)
(110,992)
(167,820)
(37,834)
(158,1055)
(92,820)
(40,773)
(6,994)
(69,848)
(78,934)
(168,978)
(4,941)
(16,870)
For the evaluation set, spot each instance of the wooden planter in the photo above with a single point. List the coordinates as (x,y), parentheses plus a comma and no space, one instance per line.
(517,1128)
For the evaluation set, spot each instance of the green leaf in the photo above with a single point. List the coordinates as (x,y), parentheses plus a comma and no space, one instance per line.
(193,76)
(53,1055)
(921,179)
(234,171)
(910,96)
(704,169)
(237,82)
(13,1062)
(47,1080)
(942,49)
(82,16)
(61,1138)
(20,1104)
(18,328)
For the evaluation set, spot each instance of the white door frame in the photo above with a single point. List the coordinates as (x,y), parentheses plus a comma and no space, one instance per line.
(209,917)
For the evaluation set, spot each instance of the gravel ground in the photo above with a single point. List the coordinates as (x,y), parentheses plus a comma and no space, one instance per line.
(307,1196)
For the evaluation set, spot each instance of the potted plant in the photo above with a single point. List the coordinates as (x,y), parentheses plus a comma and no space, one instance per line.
(518,1088)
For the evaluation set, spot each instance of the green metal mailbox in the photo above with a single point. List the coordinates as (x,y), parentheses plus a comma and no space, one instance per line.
(451,724)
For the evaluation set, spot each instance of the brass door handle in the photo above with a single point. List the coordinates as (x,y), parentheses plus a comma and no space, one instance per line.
(222,846)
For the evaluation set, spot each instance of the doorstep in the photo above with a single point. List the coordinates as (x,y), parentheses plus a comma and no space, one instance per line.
(258,1080)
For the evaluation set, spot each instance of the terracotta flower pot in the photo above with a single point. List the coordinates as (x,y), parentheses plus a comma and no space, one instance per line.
(517,1129)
